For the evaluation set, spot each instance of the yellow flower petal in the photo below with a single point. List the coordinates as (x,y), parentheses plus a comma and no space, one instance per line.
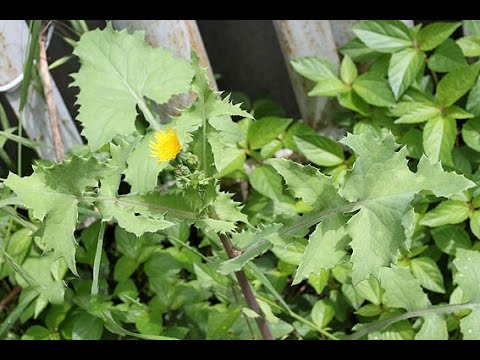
(166,146)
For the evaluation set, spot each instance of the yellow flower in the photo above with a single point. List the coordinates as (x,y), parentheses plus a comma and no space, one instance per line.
(166,146)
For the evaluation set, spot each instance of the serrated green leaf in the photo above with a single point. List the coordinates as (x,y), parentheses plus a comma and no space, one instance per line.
(473,100)
(414,112)
(325,249)
(52,193)
(265,130)
(143,169)
(475,223)
(439,136)
(374,90)
(118,70)
(447,57)
(322,313)
(228,157)
(369,184)
(307,183)
(434,328)
(314,68)
(320,150)
(369,310)
(124,267)
(87,327)
(268,183)
(449,238)
(358,51)
(328,87)
(351,100)
(471,133)
(456,83)
(447,212)
(470,45)
(467,263)
(427,272)
(348,70)
(402,290)
(434,34)
(384,35)
(403,68)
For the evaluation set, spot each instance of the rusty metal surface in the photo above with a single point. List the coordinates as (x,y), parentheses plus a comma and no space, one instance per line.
(35,118)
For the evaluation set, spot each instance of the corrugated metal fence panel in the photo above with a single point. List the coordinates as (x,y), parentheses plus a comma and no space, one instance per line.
(13,40)
(319,38)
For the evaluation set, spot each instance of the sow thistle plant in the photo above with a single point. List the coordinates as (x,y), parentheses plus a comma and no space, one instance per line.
(210,230)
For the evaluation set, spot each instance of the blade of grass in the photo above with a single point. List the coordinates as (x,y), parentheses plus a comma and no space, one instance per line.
(59,62)
(28,65)
(98,259)
(23,141)
(3,118)
(15,314)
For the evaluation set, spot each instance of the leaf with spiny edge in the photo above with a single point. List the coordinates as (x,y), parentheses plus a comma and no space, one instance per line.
(118,71)
(51,192)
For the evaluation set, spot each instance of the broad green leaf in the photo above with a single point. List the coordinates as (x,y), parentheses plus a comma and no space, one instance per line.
(370,289)
(415,112)
(314,68)
(386,208)
(449,238)
(475,223)
(143,169)
(412,139)
(17,247)
(456,83)
(358,51)
(118,72)
(470,45)
(47,273)
(402,290)
(369,310)
(427,272)
(149,323)
(298,128)
(467,263)
(439,136)
(219,322)
(471,133)
(328,87)
(447,212)
(325,249)
(307,183)
(226,215)
(351,100)
(268,183)
(87,327)
(386,36)
(472,26)
(403,68)
(473,100)
(447,57)
(434,34)
(374,90)
(322,313)
(265,130)
(37,332)
(124,267)
(228,157)
(348,70)
(51,193)
(320,150)
(434,328)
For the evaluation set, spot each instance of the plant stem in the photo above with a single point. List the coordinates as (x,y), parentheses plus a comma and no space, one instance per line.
(12,295)
(247,291)
(51,106)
